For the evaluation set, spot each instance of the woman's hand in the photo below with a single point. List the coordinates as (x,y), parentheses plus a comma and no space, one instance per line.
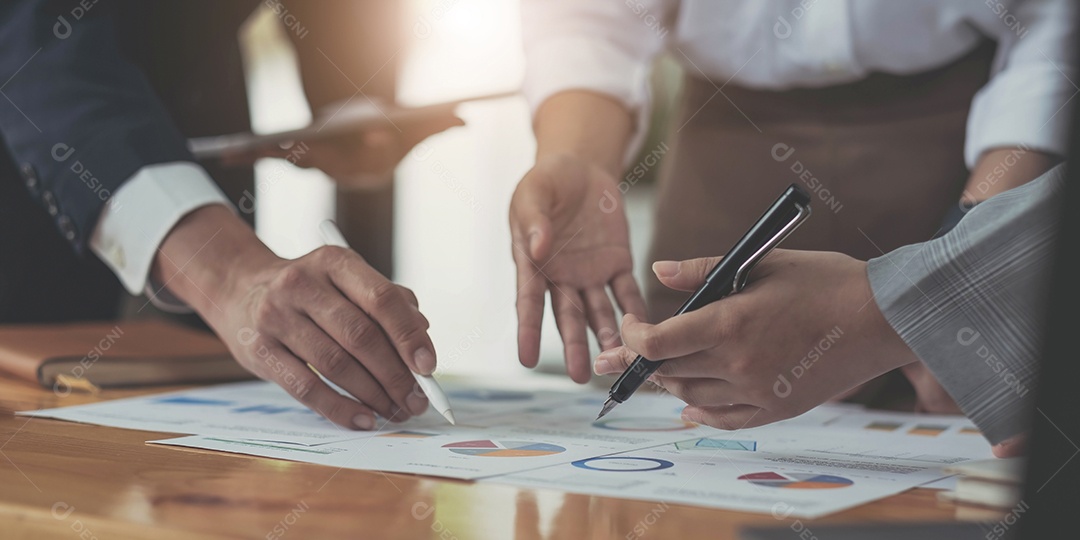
(805,329)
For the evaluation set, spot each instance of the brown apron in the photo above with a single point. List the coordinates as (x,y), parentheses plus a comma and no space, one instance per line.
(882,159)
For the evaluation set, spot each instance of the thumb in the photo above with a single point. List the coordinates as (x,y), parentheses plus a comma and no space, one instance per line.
(530,223)
(685,275)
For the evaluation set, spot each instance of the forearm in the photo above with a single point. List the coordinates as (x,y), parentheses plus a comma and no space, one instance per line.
(1001,169)
(201,256)
(586,125)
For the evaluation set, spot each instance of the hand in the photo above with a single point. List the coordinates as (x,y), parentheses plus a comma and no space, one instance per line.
(570,238)
(328,309)
(357,160)
(331,310)
(805,329)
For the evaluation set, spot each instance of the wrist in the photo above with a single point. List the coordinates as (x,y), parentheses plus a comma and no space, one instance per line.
(891,351)
(205,257)
(584,125)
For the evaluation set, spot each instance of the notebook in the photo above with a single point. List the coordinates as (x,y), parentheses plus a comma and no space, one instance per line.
(97,355)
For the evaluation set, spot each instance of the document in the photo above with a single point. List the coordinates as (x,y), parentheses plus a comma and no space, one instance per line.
(831,458)
(542,434)
(795,471)
(260,410)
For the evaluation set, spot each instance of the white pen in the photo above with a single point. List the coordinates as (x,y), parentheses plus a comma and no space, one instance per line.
(332,236)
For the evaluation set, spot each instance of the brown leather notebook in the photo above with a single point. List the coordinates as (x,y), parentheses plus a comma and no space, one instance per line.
(115,354)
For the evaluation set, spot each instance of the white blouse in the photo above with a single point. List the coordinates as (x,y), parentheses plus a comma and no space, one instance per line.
(608,46)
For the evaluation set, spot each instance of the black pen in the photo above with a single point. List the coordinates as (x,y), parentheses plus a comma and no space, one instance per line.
(727,277)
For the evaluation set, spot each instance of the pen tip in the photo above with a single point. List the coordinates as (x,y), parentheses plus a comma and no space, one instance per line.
(608,405)
(450,416)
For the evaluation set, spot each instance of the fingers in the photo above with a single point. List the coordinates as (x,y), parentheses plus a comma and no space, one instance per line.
(681,335)
(727,417)
(628,295)
(1014,446)
(310,344)
(685,275)
(384,303)
(701,392)
(570,320)
(530,230)
(614,361)
(697,365)
(531,287)
(306,387)
(601,317)
(361,340)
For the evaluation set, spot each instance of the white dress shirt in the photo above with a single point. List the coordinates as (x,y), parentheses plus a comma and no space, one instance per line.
(135,221)
(607,46)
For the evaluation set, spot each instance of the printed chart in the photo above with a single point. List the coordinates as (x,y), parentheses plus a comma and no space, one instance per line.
(504,448)
(796,480)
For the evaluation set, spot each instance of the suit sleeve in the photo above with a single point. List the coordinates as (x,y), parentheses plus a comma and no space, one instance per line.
(970,304)
(77,117)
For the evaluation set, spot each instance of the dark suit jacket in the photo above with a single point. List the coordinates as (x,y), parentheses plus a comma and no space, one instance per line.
(97,89)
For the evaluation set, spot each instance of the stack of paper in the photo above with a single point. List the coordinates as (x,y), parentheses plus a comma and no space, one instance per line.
(991,483)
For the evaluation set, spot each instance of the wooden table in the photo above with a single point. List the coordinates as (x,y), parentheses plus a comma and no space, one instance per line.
(73,481)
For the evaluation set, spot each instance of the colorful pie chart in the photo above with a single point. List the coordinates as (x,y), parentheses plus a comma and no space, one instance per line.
(504,448)
(796,480)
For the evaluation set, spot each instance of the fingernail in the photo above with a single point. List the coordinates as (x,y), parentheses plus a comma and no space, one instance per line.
(425,361)
(417,403)
(665,269)
(364,421)
(603,365)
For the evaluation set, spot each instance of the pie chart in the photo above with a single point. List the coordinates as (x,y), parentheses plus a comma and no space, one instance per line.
(623,464)
(796,480)
(504,448)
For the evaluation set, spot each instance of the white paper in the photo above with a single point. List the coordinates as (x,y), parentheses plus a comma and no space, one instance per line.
(794,471)
(259,410)
(546,433)
(831,458)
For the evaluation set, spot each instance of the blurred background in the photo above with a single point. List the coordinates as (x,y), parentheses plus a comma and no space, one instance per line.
(446,234)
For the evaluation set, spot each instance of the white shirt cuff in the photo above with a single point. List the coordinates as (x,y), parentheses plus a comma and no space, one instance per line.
(135,221)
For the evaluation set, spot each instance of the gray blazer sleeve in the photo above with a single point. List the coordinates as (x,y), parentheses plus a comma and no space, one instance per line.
(970,304)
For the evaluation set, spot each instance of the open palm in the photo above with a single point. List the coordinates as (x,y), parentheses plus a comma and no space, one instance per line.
(570,239)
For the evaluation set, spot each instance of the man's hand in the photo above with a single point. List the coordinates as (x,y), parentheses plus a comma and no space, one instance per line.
(328,310)
(570,239)
(805,329)
(357,160)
